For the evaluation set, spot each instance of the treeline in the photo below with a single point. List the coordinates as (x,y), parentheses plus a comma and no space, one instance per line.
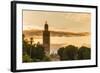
(72,52)
(36,53)
(33,52)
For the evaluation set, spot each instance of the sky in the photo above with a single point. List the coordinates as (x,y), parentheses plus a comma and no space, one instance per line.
(65,27)
(57,21)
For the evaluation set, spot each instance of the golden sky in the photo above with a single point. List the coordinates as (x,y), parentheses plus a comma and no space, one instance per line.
(57,21)
(65,27)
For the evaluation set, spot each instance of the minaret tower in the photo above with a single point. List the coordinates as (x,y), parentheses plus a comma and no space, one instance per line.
(46,39)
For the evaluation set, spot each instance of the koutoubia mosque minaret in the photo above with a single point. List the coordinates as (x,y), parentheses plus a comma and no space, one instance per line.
(46,38)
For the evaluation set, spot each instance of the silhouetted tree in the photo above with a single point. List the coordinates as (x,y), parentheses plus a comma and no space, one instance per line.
(37,52)
(61,52)
(84,53)
(68,53)
(26,46)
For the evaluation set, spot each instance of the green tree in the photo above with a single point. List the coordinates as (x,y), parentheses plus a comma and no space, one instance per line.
(37,52)
(68,53)
(33,52)
(46,58)
(26,58)
(26,46)
(84,53)
(61,53)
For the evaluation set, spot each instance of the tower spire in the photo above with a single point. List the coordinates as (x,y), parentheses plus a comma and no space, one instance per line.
(46,26)
(46,22)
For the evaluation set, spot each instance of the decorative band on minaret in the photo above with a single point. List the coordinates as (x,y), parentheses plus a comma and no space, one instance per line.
(46,39)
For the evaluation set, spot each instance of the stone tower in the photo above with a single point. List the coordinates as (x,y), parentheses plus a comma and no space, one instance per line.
(46,39)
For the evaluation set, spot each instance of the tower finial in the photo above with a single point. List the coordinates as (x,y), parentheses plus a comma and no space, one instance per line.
(46,26)
(46,22)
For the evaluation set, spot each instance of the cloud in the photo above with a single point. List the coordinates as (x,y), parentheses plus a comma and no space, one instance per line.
(34,32)
(68,34)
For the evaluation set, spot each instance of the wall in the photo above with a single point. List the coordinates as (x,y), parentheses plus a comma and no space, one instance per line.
(5,37)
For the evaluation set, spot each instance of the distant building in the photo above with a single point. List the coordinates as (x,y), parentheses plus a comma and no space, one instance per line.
(46,39)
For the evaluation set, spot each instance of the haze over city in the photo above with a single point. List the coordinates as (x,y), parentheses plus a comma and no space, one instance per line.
(65,27)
